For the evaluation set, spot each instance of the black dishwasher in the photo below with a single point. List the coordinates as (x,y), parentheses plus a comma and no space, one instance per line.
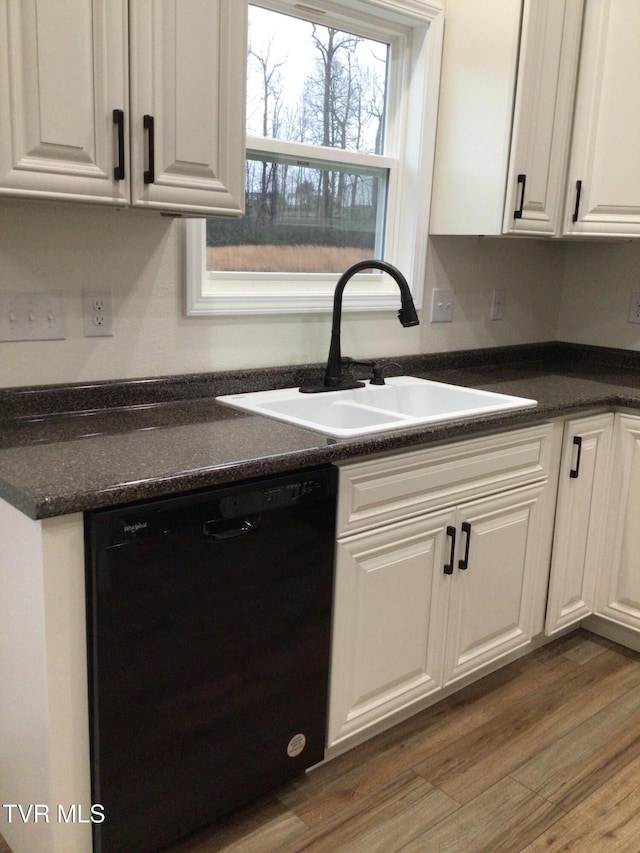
(208,634)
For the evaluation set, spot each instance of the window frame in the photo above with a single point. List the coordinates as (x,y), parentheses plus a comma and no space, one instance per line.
(415,30)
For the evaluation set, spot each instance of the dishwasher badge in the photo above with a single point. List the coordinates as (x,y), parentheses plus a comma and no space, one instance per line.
(296,745)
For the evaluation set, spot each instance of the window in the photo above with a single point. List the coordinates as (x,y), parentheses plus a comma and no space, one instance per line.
(341,108)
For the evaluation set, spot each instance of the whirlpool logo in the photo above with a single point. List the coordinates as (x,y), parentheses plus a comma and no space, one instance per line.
(136,527)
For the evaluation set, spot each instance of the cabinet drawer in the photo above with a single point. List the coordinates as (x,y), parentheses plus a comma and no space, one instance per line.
(399,486)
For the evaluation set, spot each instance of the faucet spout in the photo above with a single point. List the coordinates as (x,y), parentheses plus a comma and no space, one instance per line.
(333,380)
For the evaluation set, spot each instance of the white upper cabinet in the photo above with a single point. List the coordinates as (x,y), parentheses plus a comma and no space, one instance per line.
(603,192)
(63,71)
(504,122)
(549,48)
(188,104)
(138,102)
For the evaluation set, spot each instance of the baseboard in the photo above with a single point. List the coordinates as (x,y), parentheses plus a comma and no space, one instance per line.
(620,634)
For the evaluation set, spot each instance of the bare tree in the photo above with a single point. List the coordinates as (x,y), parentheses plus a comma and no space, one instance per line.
(271,79)
(335,49)
(341,101)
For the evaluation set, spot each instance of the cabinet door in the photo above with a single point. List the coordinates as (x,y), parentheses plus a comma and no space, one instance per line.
(63,72)
(492,588)
(388,629)
(477,85)
(506,102)
(549,49)
(619,587)
(188,61)
(580,521)
(604,167)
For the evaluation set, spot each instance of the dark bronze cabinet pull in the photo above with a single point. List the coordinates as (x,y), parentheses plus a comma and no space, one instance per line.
(150,172)
(464,563)
(118,120)
(517,214)
(574,473)
(448,567)
(574,218)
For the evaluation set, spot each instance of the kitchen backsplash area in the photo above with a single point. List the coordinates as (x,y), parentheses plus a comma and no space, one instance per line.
(577,292)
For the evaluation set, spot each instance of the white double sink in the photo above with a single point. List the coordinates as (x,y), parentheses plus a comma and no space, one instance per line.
(403,401)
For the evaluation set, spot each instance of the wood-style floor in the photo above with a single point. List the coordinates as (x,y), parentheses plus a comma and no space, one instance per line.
(543,755)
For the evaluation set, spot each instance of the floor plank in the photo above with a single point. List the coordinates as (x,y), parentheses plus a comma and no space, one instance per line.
(480,759)
(382,822)
(608,820)
(572,768)
(503,819)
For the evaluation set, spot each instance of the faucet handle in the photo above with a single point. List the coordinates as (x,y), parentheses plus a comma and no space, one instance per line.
(378,372)
(346,361)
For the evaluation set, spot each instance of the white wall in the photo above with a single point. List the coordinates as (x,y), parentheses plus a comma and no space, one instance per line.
(47,246)
(530,271)
(576,292)
(598,281)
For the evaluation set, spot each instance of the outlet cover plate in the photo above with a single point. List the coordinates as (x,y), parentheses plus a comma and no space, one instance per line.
(97,313)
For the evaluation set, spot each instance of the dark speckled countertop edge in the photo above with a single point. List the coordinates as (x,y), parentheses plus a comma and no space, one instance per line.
(43,468)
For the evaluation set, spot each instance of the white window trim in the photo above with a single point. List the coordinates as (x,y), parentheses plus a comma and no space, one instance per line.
(407,225)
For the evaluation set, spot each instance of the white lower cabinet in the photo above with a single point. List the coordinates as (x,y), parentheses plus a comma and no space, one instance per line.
(618,597)
(427,599)
(578,543)
(389,621)
(595,568)
(492,588)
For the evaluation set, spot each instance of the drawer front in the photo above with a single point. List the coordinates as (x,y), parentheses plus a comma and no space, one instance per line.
(405,484)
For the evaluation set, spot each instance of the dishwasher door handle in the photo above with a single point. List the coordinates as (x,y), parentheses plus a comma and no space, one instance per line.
(231,528)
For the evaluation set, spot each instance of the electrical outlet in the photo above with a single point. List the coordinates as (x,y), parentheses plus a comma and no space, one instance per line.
(634,307)
(441,305)
(32,317)
(97,313)
(497,304)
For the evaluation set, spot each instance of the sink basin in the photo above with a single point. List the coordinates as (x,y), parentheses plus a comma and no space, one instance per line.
(404,401)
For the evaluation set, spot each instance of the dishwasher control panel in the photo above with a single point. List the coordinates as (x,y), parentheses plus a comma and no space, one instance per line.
(274,497)
(130,524)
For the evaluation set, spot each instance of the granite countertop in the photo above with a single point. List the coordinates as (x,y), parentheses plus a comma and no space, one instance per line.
(66,449)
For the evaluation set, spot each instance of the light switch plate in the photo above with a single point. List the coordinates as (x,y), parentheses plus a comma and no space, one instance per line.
(441,305)
(32,317)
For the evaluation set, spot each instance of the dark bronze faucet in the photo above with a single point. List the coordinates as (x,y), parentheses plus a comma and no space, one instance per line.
(333,379)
